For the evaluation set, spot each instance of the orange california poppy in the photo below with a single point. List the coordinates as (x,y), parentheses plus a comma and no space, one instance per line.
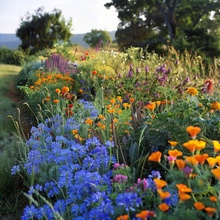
(216,145)
(191,160)
(216,173)
(183,188)
(211,161)
(89,121)
(190,145)
(123,217)
(180,164)
(151,106)
(160,183)
(163,195)
(163,207)
(55,101)
(57,91)
(184,196)
(74,131)
(193,131)
(213,198)
(217,158)
(199,205)
(173,143)
(145,214)
(210,211)
(94,72)
(201,158)
(155,156)
(112,100)
(175,153)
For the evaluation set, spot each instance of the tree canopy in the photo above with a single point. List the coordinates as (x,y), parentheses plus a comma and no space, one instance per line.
(42,30)
(185,24)
(97,38)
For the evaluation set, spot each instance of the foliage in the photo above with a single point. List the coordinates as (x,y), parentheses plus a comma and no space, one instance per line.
(183,24)
(97,38)
(132,135)
(15,57)
(43,30)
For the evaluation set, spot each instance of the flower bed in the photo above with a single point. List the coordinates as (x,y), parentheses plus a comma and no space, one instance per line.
(122,137)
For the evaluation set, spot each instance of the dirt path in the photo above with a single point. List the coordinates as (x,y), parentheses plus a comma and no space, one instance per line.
(25,117)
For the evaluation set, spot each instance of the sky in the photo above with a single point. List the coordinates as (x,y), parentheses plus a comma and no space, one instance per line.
(86,14)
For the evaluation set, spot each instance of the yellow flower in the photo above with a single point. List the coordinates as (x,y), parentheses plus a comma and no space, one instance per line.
(216,173)
(216,146)
(192,91)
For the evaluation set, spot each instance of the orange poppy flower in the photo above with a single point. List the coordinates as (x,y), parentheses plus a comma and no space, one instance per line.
(217,158)
(55,101)
(213,198)
(175,153)
(131,100)
(145,214)
(184,196)
(94,72)
(183,188)
(216,173)
(57,91)
(173,143)
(151,106)
(74,131)
(210,211)
(190,145)
(112,101)
(163,207)
(180,164)
(163,195)
(201,158)
(89,121)
(199,205)
(216,145)
(160,183)
(211,161)
(192,160)
(155,156)
(193,131)
(123,217)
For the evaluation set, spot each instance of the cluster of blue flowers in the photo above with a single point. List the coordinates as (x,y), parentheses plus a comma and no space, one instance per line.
(71,180)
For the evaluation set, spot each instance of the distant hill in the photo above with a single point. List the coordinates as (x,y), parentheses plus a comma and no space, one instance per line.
(12,42)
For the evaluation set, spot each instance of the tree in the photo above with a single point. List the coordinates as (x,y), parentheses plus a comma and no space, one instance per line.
(168,22)
(97,38)
(42,30)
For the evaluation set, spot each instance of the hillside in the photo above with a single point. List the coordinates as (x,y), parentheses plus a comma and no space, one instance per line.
(12,42)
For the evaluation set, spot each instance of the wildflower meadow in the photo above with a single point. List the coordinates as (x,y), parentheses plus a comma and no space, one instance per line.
(120,135)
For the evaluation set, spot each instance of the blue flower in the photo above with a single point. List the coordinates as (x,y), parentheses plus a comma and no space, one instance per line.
(129,200)
(15,169)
